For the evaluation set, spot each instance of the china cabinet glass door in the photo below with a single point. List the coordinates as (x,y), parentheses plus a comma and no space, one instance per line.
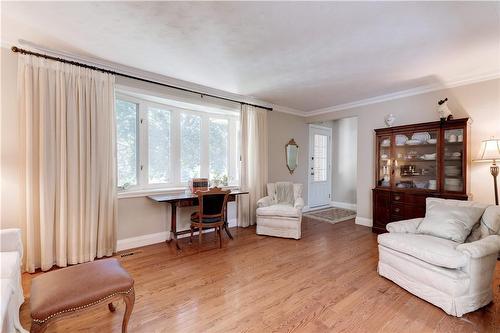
(384,161)
(415,160)
(453,160)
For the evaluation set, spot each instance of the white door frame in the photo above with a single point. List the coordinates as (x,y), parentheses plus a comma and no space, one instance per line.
(310,163)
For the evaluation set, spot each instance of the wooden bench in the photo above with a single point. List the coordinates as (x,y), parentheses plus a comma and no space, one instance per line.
(66,292)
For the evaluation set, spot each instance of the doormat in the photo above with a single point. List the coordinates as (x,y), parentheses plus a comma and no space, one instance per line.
(332,215)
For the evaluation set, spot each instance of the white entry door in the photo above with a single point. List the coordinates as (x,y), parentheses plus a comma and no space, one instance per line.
(320,172)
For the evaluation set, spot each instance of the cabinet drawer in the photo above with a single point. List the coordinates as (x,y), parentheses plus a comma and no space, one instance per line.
(398,209)
(397,197)
(416,199)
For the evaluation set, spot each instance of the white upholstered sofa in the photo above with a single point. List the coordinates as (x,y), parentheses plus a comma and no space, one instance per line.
(444,258)
(279,214)
(11,253)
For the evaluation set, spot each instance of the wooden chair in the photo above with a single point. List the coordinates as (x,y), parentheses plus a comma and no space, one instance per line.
(211,212)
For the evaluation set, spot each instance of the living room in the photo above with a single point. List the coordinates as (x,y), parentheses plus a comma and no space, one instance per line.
(250,166)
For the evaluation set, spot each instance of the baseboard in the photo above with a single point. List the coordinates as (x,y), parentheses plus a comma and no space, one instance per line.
(364,221)
(143,240)
(311,209)
(344,205)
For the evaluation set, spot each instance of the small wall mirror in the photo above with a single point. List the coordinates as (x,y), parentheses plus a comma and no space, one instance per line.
(292,155)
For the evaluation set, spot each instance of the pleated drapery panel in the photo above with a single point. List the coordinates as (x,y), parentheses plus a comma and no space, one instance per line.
(254,161)
(69,162)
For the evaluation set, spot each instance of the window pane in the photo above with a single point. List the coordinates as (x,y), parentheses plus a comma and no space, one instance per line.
(126,142)
(159,145)
(217,152)
(320,156)
(190,146)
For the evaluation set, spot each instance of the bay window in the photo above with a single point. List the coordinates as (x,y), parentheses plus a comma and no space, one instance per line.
(164,146)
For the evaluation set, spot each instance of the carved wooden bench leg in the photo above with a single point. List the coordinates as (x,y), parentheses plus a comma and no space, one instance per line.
(129,305)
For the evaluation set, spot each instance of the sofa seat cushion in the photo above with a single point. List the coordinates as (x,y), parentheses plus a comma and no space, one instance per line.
(425,280)
(433,250)
(278,210)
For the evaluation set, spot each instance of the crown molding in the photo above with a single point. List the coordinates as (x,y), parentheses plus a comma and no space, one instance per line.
(292,111)
(406,93)
(249,99)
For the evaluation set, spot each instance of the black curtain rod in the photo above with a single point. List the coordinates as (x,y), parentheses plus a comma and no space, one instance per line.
(23,51)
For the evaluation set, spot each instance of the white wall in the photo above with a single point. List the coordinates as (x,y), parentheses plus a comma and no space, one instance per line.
(282,127)
(344,160)
(9,192)
(480,101)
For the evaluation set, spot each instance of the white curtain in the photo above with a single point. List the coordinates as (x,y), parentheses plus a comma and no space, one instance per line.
(68,164)
(254,162)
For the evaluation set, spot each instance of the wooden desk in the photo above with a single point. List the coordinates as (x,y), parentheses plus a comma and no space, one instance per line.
(187,200)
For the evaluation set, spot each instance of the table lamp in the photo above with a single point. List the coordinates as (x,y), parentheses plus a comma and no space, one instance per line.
(490,152)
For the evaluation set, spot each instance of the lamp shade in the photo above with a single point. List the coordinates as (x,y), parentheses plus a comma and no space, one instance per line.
(490,151)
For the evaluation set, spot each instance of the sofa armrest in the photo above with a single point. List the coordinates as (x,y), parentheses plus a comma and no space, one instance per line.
(265,201)
(406,226)
(481,248)
(10,241)
(299,203)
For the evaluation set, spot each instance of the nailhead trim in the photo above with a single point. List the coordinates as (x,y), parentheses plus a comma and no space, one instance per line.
(41,321)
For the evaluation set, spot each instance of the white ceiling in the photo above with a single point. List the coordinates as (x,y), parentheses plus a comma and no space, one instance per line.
(303,55)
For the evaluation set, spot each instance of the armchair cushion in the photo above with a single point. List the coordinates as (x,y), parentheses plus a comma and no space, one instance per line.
(299,203)
(481,248)
(278,211)
(450,219)
(433,250)
(491,220)
(297,191)
(406,226)
(265,201)
(284,193)
(489,225)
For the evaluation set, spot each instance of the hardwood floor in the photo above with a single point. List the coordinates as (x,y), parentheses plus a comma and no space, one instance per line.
(325,282)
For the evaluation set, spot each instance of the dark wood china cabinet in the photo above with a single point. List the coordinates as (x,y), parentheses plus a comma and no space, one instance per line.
(417,161)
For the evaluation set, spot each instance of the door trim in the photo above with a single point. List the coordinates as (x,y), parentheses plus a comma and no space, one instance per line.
(309,164)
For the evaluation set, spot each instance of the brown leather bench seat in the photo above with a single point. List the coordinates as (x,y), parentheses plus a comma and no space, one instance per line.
(65,291)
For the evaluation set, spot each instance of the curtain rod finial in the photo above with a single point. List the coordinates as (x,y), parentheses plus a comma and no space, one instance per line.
(14,49)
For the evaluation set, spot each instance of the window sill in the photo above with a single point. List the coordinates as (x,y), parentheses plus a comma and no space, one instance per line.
(147,192)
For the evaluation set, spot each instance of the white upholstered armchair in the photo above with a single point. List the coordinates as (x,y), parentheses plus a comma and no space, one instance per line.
(447,258)
(279,214)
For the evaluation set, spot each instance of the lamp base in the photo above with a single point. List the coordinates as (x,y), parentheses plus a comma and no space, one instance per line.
(494,173)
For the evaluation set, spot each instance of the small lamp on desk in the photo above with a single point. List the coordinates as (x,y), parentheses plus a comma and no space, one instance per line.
(490,152)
